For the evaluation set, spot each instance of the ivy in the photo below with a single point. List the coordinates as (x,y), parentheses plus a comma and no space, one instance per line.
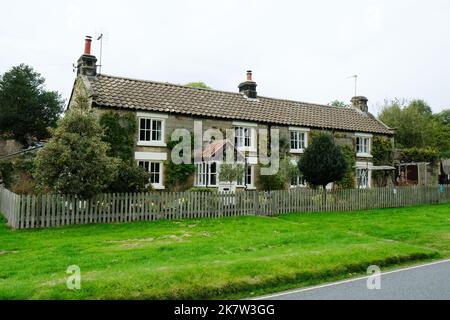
(177,175)
(382,151)
(120,131)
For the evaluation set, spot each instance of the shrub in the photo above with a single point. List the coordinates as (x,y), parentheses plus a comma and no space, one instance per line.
(348,181)
(130,178)
(281,180)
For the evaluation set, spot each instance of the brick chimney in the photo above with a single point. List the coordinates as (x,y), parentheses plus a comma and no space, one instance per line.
(248,87)
(360,103)
(87,64)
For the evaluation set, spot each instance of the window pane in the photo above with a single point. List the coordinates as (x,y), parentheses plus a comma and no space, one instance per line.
(301,140)
(248,176)
(156,130)
(155,173)
(247,133)
(239,137)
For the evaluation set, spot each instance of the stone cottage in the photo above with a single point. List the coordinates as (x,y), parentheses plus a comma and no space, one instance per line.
(161,107)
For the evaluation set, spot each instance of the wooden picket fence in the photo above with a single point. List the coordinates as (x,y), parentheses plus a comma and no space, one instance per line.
(44,211)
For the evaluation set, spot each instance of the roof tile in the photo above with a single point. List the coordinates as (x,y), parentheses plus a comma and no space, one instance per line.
(119,92)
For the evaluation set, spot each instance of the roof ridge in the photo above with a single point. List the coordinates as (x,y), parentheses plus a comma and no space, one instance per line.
(220,91)
(170,84)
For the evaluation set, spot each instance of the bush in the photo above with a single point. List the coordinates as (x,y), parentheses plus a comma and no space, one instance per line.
(130,178)
(6,171)
(281,180)
(202,189)
(17,174)
(349,179)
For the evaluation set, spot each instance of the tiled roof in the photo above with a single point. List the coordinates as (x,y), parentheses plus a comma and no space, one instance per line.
(120,92)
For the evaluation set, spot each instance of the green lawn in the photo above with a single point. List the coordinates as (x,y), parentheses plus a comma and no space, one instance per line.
(217,258)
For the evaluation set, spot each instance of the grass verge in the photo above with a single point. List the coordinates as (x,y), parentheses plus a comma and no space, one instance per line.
(217,258)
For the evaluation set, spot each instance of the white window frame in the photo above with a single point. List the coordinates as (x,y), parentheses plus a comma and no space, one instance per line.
(298,132)
(242,183)
(364,153)
(203,176)
(251,129)
(299,178)
(159,157)
(160,184)
(152,117)
(364,166)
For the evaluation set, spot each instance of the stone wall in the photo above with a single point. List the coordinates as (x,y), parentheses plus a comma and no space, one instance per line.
(8,146)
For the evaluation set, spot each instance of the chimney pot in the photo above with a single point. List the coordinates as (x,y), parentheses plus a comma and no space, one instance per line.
(87,45)
(87,64)
(249,75)
(248,88)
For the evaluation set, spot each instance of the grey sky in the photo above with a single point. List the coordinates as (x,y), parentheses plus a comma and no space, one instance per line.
(300,50)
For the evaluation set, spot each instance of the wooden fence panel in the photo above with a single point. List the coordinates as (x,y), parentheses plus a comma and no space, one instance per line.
(44,211)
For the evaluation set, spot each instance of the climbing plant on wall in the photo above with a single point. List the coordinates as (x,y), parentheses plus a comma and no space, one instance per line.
(177,175)
(120,132)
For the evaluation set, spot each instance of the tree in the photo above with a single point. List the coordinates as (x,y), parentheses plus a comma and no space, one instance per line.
(337,104)
(27,110)
(415,125)
(198,85)
(323,161)
(75,159)
(231,172)
(444,117)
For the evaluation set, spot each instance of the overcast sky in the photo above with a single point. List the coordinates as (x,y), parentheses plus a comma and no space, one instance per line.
(300,50)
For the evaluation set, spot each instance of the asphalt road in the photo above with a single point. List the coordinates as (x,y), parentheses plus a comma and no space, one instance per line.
(425,282)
